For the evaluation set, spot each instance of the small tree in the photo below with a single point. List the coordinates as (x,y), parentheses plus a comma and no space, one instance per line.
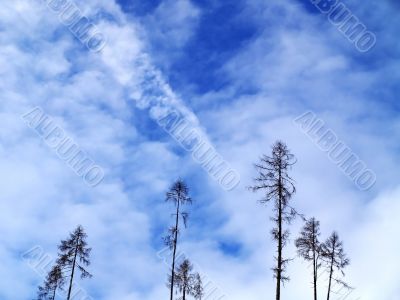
(273,179)
(54,280)
(335,259)
(188,283)
(309,247)
(179,195)
(74,254)
(198,289)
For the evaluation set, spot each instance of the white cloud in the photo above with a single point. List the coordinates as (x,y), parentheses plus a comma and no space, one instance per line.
(92,96)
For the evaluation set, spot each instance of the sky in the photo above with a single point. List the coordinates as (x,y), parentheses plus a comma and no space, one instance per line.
(241,71)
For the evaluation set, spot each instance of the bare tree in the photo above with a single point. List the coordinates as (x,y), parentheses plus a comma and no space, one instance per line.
(54,280)
(179,195)
(335,259)
(309,247)
(198,289)
(188,283)
(273,179)
(74,253)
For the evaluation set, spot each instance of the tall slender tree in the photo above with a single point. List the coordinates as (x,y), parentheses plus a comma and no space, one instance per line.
(179,195)
(309,248)
(74,254)
(335,259)
(188,283)
(54,280)
(273,179)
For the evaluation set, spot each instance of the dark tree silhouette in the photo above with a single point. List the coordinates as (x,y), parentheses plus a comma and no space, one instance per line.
(54,280)
(74,254)
(179,195)
(335,259)
(278,186)
(188,283)
(309,247)
(198,289)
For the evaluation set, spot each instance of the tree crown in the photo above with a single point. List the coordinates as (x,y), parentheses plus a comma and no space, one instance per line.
(178,193)
(75,250)
(273,174)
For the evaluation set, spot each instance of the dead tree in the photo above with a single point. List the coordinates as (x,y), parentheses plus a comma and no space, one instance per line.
(74,254)
(188,283)
(309,248)
(54,281)
(276,184)
(198,289)
(335,259)
(179,195)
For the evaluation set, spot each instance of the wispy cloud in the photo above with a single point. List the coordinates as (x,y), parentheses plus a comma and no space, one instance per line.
(108,102)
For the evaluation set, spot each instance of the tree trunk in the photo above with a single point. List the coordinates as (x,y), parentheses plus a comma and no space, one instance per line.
(279,268)
(54,293)
(174,254)
(315,263)
(315,282)
(72,273)
(184,294)
(331,272)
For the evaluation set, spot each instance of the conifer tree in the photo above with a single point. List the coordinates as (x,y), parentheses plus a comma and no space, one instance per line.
(54,280)
(276,184)
(178,194)
(188,283)
(309,248)
(74,255)
(198,289)
(335,259)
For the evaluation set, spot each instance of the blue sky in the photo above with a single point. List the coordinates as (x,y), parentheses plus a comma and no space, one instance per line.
(241,72)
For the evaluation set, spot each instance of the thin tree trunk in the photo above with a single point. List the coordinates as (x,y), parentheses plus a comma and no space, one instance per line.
(315,281)
(331,272)
(72,273)
(315,263)
(174,254)
(54,294)
(279,268)
(184,294)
